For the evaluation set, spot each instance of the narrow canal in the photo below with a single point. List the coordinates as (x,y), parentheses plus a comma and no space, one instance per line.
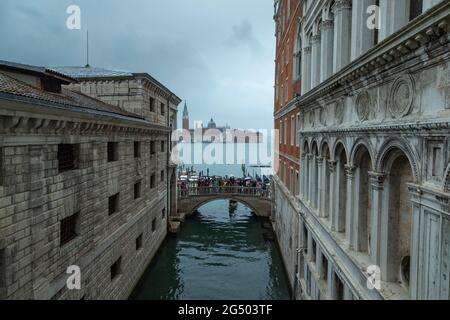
(216,256)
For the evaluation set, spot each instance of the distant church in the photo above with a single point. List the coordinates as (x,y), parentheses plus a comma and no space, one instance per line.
(213,133)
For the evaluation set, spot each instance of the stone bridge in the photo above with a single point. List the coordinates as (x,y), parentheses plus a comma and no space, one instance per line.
(257,199)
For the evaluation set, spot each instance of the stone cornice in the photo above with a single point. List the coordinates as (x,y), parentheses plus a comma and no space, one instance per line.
(411,127)
(19,117)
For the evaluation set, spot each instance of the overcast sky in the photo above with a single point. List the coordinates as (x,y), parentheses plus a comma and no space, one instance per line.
(217,54)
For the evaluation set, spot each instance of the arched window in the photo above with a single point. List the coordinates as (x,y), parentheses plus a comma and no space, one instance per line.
(341,159)
(297,65)
(363,165)
(399,174)
(326,181)
(315,176)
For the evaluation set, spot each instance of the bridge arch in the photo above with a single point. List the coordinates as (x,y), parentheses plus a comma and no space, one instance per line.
(205,202)
(255,199)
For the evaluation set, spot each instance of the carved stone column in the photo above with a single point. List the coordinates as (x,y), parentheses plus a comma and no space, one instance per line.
(303,176)
(350,206)
(333,195)
(320,186)
(342,34)
(310,178)
(377,183)
(327,50)
(306,70)
(315,60)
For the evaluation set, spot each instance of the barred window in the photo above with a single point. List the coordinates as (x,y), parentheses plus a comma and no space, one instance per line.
(116,268)
(163,109)
(152,104)
(152,181)
(137,149)
(139,242)
(69,228)
(67,157)
(113,204)
(162,176)
(113,151)
(163,146)
(154,225)
(163,214)
(137,190)
(152,147)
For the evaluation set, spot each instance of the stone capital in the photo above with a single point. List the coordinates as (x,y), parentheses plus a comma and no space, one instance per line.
(350,171)
(316,39)
(377,179)
(332,165)
(307,50)
(319,161)
(343,5)
(327,25)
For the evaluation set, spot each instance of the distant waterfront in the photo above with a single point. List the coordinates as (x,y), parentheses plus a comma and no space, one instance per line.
(258,158)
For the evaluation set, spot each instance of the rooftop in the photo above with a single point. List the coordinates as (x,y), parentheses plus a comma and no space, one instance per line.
(35,70)
(13,88)
(91,72)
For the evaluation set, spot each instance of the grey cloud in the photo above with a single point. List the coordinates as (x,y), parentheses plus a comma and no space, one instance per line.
(242,35)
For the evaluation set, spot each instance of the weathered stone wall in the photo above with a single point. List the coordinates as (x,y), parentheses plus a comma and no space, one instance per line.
(285,221)
(34,198)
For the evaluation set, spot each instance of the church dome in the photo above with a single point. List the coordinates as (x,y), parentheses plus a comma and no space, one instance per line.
(211,124)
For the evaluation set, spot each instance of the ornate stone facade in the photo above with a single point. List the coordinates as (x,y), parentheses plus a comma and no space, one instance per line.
(374,179)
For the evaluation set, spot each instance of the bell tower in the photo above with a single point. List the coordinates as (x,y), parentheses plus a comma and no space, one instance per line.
(185,117)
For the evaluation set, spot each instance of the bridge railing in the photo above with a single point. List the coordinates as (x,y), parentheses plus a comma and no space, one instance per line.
(256,192)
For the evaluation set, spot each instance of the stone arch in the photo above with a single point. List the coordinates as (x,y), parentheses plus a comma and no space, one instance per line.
(339,144)
(306,147)
(325,151)
(314,179)
(356,149)
(397,145)
(362,161)
(397,214)
(341,158)
(203,201)
(315,148)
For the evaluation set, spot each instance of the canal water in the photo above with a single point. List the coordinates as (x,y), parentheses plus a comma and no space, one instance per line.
(216,256)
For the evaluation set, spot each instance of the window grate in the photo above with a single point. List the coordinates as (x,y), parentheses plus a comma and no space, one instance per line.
(68,229)
(113,204)
(137,149)
(112,151)
(139,242)
(115,268)
(153,181)
(137,190)
(67,157)
(152,147)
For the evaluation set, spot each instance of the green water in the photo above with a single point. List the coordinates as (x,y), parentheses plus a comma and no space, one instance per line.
(216,256)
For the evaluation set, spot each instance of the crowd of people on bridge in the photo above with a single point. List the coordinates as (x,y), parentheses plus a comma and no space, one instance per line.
(215,184)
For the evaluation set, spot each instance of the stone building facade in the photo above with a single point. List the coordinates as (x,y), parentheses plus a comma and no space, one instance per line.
(374,200)
(83,183)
